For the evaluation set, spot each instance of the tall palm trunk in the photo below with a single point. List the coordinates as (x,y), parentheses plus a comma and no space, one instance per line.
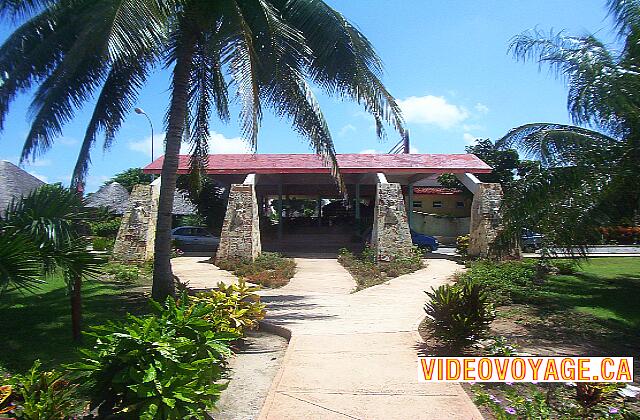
(163,283)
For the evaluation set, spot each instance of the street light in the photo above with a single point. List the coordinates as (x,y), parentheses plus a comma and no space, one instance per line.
(140,111)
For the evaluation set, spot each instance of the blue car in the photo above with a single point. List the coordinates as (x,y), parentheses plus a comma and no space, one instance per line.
(424,241)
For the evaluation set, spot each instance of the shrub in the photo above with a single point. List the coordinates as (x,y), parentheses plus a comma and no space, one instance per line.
(462,245)
(565,267)
(39,395)
(368,272)
(510,281)
(460,312)
(106,228)
(268,269)
(122,272)
(163,365)
(235,307)
(103,244)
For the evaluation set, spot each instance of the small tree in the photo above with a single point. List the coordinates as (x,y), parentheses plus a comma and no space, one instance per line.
(39,237)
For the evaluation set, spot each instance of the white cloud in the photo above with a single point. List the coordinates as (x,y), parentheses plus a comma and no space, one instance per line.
(369,152)
(414,150)
(67,141)
(349,128)
(432,110)
(469,138)
(218,143)
(481,108)
(94,182)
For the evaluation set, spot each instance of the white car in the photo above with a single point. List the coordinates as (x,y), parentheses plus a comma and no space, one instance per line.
(191,237)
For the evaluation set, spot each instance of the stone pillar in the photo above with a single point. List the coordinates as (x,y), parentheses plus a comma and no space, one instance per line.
(137,233)
(390,236)
(240,237)
(485,219)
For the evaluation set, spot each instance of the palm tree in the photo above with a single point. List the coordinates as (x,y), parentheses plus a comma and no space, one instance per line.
(588,174)
(39,237)
(267,51)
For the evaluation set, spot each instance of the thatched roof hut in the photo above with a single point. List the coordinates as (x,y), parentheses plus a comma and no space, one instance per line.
(15,183)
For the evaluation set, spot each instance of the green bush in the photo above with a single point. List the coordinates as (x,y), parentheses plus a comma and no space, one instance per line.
(103,244)
(160,366)
(565,267)
(122,272)
(106,228)
(39,395)
(235,307)
(507,282)
(460,313)
(462,245)
(269,269)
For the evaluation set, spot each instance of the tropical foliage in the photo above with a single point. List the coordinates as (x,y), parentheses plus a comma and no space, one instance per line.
(460,313)
(588,177)
(39,236)
(39,394)
(165,365)
(266,51)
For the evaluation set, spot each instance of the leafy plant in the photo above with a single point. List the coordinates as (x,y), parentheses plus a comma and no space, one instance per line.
(510,281)
(39,395)
(517,404)
(102,244)
(460,312)
(236,307)
(106,228)
(164,365)
(462,246)
(501,347)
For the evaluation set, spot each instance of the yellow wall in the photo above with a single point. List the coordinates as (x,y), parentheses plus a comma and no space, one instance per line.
(448,204)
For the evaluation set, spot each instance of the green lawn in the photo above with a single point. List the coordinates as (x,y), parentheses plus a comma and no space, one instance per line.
(605,288)
(38,326)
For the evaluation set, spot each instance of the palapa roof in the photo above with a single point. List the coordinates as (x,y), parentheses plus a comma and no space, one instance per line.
(15,183)
(111,196)
(115,197)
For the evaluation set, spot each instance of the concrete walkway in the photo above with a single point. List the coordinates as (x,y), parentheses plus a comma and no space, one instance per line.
(354,356)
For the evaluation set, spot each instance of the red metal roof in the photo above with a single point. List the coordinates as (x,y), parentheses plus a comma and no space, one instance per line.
(348,163)
(437,190)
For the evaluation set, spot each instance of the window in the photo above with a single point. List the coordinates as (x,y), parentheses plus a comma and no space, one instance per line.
(417,204)
(437,204)
(460,204)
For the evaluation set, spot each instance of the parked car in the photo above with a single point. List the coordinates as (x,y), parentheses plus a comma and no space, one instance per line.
(424,241)
(194,237)
(531,240)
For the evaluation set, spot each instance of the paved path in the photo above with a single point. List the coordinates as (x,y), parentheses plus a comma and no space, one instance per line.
(354,356)
(199,273)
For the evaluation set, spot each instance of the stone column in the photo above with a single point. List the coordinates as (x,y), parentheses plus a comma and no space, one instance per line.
(485,219)
(390,236)
(137,233)
(240,237)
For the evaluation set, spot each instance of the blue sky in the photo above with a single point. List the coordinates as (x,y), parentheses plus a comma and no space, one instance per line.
(446,62)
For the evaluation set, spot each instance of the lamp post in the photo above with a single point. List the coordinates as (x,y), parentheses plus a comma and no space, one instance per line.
(140,111)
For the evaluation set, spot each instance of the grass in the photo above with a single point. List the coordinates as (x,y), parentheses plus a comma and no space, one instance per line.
(268,270)
(38,325)
(604,288)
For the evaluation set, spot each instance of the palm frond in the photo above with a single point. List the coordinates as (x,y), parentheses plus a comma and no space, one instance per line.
(117,97)
(553,144)
(20,266)
(626,14)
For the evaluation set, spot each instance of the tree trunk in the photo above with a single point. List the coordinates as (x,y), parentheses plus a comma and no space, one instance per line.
(163,283)
(76,308)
